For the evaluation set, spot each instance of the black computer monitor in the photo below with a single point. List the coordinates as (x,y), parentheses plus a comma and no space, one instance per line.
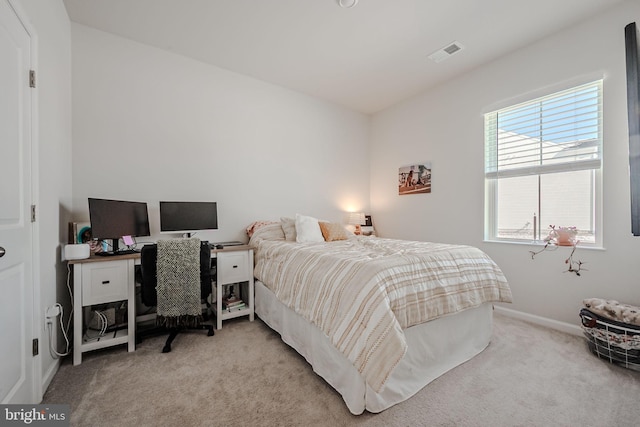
(114,219)
(188,217)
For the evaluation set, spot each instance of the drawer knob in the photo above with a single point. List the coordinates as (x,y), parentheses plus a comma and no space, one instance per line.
(105,282)
(235,266)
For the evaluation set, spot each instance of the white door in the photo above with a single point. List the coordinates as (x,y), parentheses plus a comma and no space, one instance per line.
(16,278)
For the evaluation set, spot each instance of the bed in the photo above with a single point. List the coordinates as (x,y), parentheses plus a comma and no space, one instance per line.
(377,318)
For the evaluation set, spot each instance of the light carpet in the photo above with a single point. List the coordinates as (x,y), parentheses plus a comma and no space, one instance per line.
(246,376)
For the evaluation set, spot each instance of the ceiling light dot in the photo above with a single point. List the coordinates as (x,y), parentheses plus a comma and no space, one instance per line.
(347,3)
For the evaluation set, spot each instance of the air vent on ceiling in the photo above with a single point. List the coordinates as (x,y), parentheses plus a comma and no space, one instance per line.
(447,51)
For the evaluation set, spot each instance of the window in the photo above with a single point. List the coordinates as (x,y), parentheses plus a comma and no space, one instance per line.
(542,166)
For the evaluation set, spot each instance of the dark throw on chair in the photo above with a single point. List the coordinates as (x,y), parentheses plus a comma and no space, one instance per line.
(176,278)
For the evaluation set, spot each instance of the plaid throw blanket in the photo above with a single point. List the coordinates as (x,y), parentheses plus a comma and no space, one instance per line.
(178,286)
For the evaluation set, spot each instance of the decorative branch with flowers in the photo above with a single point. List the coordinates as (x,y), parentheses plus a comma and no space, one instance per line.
(562,236)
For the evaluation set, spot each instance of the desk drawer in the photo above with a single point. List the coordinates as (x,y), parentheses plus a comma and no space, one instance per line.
(233,267)
(104,282)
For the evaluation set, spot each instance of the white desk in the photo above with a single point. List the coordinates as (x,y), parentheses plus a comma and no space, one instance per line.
(99,280)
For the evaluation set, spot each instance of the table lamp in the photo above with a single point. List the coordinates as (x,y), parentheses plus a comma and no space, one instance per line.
(357,219)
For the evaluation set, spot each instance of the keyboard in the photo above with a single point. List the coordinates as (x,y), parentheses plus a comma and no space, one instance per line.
(122,252)
(233,243)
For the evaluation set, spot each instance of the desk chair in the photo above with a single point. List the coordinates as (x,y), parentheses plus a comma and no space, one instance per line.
(175,290)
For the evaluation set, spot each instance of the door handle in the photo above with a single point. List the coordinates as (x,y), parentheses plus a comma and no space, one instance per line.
(2,251)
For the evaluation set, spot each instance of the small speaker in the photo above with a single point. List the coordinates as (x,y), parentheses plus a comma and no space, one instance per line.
(79,251)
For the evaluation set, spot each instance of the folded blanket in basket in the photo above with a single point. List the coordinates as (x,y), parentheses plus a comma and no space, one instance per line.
(612,309)
(610,334)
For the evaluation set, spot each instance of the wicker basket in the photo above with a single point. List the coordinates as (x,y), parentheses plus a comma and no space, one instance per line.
(613,341)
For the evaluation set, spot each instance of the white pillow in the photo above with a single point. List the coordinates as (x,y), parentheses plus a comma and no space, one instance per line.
(308,229)
(289,228)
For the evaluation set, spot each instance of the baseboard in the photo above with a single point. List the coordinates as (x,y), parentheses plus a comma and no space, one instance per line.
(539,320)
(48,376)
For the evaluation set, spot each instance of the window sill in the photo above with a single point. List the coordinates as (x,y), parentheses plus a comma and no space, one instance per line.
(589,246)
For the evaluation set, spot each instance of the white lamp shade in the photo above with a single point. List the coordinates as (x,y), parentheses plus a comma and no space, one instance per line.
(357,218)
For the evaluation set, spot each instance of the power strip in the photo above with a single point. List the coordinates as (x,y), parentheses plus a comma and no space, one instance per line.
(50,314)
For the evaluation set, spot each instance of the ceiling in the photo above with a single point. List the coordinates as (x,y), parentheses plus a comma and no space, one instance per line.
(366,58)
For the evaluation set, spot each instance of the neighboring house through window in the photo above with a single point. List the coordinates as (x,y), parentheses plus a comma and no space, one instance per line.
(543,163)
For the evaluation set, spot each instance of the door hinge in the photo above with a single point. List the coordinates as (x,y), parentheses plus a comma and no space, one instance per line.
(34,346)
(33,213)
(32,78)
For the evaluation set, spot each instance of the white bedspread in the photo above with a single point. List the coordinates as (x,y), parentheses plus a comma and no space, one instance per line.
(364,291)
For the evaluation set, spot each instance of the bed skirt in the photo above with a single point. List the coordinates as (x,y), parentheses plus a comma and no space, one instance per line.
(434,348)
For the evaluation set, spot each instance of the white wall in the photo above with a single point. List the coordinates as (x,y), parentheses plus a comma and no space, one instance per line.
(150,125)
(445,126)
(52,169)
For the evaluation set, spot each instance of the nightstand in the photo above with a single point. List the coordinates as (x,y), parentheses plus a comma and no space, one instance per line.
(234,266)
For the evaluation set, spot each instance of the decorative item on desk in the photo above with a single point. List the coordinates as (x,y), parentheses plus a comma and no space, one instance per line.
(76,251)
(79,233)
(357,219)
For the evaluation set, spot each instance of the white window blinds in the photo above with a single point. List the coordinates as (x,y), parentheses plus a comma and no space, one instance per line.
(559,132)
